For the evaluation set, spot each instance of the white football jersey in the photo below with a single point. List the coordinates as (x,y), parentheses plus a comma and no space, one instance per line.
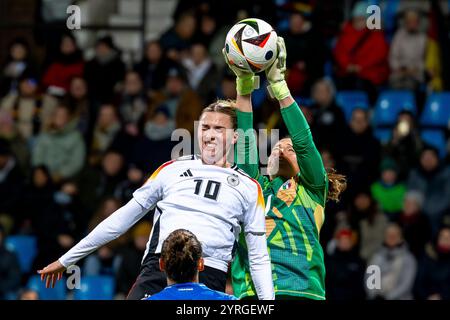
(210,201)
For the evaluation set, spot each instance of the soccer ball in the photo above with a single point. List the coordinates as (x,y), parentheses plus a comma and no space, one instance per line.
(251,44)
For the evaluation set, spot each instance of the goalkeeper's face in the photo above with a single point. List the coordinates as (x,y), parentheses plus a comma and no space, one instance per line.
(283,160)
(216,136)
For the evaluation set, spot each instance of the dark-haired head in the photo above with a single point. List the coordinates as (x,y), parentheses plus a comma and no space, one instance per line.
(181,257)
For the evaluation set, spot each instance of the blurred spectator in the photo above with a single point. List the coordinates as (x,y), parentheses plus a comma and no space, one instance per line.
(397,265)
(9,271)
(182,103)
(11,180)
(407,53)
(307,53)
(153,67)
(345,269)
(433,279)
(228,87)
(328,16)
(35,200)
(24,107)
(329,123)
(108,206)
(61,224)
(359,153)
(28,294)
(104,210)
(361,55)
(78,102)
(432,179)
(106,129)
(201,72)
(62,148)
(405,144)
(206,30)
(133,102)
(135,179)
(177,39)
(96,184)
(103,262)
(18,145)
(372,224)
(131,257)
(104,71)
(415,224)
(160,126)
(68,63)
(388,191)
(18,63)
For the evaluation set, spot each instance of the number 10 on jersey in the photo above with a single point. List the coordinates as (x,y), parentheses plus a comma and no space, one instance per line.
(211,191)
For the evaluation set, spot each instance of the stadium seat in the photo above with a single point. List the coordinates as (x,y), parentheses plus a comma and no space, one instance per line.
(25,248)
(303,101)
(349,100)
(389,104)
(383,135)
(436,112)
(56,293)
(435,138)
(95,288)
(258,96)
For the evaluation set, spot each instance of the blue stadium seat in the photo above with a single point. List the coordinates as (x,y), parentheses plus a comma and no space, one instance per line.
(303,101)
(435,138)
(95,288)
(349,100)
(436,112)
(258,96)
(389,104)
(56,293)
(25,248)
(383,135)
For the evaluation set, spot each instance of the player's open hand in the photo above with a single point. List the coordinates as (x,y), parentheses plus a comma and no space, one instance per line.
(246,81)
(52,273)
(239,72)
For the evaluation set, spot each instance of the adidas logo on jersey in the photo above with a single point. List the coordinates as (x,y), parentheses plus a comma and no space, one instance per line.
(187,173)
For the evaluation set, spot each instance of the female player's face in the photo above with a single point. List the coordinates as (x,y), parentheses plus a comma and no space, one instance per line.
(216,136)
(283,160)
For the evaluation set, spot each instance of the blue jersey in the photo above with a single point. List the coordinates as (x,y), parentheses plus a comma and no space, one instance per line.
(190,291)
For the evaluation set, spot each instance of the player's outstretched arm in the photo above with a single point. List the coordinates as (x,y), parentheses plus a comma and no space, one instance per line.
(312,171)
(246,152)
(109,229)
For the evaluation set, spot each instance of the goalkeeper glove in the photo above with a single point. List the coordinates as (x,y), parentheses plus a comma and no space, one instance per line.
(276,72)
(246,81)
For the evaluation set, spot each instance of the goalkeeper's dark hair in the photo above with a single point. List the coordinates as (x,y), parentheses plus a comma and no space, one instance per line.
(337,183)
(180,253)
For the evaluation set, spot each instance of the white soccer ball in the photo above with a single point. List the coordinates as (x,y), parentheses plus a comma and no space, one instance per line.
(251,44)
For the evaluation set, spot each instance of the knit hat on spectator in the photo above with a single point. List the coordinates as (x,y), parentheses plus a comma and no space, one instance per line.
(388,164)
(360,9)
(417,196)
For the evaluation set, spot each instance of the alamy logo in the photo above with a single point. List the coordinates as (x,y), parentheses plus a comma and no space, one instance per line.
(73,22)
(74,280)
(373,21)
(373,277)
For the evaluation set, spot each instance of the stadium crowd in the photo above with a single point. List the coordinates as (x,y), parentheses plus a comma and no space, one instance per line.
(78,137)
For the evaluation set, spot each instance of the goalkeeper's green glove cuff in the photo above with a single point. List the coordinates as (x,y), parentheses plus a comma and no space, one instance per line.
(278,90)
(246,85)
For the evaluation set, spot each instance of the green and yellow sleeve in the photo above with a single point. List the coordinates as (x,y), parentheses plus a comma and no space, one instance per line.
(312,171)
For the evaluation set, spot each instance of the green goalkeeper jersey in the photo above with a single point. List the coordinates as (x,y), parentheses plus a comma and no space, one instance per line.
(294,215)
